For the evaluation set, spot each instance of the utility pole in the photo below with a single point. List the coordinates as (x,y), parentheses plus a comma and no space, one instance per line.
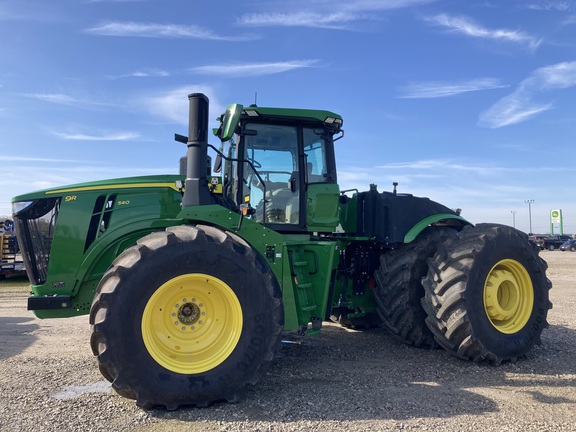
(513,218)
(530,202)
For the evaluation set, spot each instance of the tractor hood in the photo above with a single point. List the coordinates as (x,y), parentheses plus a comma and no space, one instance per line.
(155,181)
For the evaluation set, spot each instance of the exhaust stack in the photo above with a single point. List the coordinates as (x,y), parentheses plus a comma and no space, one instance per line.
(197,192)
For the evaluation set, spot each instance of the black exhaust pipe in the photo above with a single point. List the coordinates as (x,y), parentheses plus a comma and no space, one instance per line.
(197,192)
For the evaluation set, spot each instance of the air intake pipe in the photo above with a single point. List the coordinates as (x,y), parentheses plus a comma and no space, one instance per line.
(197,192)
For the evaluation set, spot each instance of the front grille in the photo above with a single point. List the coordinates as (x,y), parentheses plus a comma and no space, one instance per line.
(35,225)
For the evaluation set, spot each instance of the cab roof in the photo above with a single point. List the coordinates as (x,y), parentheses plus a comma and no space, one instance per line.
(309,114)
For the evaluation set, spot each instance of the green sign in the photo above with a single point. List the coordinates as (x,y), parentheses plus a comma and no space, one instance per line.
(556,218)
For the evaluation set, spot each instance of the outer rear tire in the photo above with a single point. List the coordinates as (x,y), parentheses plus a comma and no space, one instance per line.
(487,294)
(399,287)
(188,316)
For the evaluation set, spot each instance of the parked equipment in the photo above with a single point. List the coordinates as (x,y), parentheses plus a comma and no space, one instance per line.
(10,262)
(191,279)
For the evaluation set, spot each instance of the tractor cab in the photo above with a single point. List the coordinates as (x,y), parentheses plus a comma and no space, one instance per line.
(281,166)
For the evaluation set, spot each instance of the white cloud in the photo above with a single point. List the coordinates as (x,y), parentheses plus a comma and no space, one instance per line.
(110,136)
(520,105)
(379,5)
(172,105)
(561,6)
(156,30)
(63,99)
(557,76)
(6,158)
(424,174)
(511,110)
(319,15)
(424,90)
(444,167)
(468,27)
(254,69)
(142,74)
(298,19)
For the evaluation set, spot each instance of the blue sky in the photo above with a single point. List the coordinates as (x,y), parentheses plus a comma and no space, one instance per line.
(470,103)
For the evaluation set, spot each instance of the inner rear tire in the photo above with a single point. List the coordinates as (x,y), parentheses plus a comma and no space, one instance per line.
(399,287)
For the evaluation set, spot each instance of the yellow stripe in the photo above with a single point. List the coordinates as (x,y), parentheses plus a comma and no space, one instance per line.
(116,186)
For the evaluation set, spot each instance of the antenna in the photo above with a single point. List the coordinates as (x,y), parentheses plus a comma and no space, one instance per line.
(256,98)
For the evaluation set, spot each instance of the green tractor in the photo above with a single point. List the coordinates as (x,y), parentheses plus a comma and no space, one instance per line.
(190,280)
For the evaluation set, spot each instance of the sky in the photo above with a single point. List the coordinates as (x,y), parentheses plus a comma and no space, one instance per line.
(469,103)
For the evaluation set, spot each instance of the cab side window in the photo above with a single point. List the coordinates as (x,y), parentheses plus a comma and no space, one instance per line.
(314,149)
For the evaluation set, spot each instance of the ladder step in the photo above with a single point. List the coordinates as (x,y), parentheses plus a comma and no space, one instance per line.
(309,308)
(304,285)
(301,263)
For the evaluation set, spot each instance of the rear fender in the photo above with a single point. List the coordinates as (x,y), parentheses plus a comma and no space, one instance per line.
(441,219)
(392,218)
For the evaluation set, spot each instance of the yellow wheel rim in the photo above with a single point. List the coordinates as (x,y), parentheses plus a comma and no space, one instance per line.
(508,296)
(192,323)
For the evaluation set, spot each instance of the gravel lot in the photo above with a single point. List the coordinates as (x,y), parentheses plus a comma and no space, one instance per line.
(340,380)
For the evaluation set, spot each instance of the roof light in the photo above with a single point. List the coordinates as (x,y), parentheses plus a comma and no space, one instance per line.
(330,120)
(252,113)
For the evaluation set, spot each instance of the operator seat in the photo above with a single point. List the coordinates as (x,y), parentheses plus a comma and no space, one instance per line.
(281,203)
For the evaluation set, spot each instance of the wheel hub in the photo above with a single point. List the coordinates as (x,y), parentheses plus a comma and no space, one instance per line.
(502,295)
(508,296)
(189,313)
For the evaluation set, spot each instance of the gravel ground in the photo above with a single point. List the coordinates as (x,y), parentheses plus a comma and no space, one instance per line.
(340,380)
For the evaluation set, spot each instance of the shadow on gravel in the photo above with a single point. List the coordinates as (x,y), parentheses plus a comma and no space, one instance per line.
(371,376)
(321,379)
(16,334)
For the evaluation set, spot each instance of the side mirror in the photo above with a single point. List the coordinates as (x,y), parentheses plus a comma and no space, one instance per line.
(230,121)
(217,164)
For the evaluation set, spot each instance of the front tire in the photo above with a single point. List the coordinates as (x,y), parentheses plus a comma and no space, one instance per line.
(188,316)
(487,294)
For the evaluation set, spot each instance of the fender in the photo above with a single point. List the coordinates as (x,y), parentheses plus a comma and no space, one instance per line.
(393,218)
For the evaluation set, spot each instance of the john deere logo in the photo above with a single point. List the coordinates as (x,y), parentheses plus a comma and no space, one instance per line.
(556,216)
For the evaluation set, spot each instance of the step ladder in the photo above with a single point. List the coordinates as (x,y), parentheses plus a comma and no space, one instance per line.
(303,292)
